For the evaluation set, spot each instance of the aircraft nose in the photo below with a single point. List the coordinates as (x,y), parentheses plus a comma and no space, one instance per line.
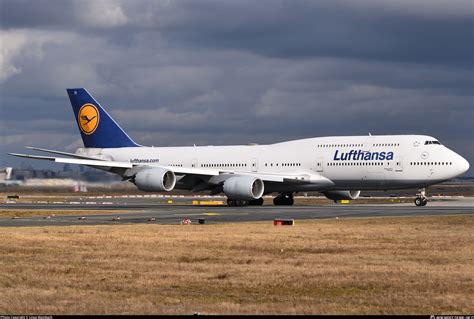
(463,165)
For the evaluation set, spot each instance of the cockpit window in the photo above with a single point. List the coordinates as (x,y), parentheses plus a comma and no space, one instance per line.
(432,142)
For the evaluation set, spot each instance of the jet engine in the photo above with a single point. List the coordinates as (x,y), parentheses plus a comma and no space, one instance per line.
(243,187)
(340,195)
(155,179)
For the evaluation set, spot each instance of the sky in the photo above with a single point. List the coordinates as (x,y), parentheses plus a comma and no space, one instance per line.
(237,72)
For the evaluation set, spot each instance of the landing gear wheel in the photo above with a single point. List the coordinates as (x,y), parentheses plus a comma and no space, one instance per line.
(284,199)
(421,201)
(241,202)
(418,201)
(424,201)
(237,202)
(256,202)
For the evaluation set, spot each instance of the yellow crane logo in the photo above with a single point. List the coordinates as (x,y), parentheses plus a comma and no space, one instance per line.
(88,118)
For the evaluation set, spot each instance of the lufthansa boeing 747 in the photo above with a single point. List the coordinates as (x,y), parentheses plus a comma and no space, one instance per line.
(338,166)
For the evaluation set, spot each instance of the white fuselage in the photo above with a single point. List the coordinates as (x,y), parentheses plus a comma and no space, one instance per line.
(350,162)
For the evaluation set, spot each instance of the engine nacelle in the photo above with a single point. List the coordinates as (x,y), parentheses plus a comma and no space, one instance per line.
(340,195)
(243,187)
(155,180)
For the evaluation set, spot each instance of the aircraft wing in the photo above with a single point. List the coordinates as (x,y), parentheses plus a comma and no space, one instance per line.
(301,178)
(63,153)
(80,161)
(100,163)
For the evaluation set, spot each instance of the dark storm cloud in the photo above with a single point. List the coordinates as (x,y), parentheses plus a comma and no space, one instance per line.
(436,33)
(217,72)
(36,14)
(303,29)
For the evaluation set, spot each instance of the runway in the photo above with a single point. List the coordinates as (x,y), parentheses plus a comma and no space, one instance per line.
(146,212)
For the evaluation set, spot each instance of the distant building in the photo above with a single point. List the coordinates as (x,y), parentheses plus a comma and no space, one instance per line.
(89,175)
(5,173)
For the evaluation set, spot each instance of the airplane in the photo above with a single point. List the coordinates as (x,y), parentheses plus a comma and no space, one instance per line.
(337,166)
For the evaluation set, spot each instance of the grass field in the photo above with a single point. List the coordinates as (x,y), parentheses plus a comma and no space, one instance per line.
(411,265)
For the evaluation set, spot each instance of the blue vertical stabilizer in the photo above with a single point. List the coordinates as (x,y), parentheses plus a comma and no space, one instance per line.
(98,129)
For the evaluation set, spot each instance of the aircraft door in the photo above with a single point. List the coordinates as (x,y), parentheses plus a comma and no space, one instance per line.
(399,164)
(319,164)
(254,164)
(194,163)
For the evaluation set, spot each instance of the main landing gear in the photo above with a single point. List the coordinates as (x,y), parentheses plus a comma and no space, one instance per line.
(237,202)
(421,199)
(241,202)
(284,199)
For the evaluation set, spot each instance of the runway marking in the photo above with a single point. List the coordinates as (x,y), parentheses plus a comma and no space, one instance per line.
(184,214)
(198,214)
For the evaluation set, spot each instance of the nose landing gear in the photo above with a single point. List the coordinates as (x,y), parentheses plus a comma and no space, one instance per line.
(421,199)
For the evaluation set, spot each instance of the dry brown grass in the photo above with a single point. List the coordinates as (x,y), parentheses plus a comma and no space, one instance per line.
(378,266)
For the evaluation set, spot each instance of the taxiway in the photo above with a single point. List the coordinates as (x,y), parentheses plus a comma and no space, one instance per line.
(141,211)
